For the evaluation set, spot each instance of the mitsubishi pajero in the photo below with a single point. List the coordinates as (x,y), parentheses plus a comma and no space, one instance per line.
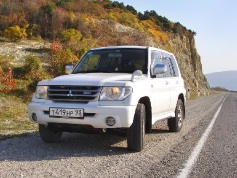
(122,87)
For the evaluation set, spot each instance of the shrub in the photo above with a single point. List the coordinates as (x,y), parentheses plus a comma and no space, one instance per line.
(31,63)
(60,58)
(15,33)
(33,31)
(31,71)
(34,72)
(70,36)
(5,62)
(7,82)
(34,77)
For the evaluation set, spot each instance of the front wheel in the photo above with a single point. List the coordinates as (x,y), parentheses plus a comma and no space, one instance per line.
(176,123)
(136,133)
(48,135)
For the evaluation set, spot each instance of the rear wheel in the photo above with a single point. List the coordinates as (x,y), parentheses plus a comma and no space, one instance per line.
(175,124)
(136,133)
(48,135)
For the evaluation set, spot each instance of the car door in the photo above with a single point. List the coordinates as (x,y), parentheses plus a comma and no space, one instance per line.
(173,81)
(161,87)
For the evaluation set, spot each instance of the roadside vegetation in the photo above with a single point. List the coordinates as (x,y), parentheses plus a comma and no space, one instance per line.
(14,120)
(71,27)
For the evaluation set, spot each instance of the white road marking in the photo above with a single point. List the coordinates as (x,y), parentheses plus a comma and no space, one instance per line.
(196,151)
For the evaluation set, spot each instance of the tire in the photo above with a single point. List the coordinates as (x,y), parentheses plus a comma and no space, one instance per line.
(175,124)
(48,135)
(136,133)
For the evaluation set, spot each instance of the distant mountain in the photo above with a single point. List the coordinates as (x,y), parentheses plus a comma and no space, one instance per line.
(226,79)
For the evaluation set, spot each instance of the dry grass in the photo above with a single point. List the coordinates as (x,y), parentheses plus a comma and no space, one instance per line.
(13,117)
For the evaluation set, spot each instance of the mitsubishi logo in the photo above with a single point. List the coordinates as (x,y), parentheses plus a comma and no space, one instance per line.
(70,93)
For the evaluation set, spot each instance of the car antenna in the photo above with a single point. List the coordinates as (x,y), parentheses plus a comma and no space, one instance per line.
(96,40)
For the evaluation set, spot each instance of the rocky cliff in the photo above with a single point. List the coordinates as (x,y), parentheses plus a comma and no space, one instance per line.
(183,47)
(190,62)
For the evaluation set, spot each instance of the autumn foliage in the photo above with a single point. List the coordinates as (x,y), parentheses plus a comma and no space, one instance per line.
(60,58)
(15,33)
(73,27)
(83,19)
(7,83)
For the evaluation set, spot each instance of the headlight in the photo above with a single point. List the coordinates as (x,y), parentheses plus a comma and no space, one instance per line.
(41,92)
(115,93)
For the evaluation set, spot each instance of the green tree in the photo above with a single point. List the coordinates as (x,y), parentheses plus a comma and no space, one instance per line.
(31,71)
(71,39)
(34,72)
(70,36)
(32,63)
(131,9)
(15,33)
(33,31)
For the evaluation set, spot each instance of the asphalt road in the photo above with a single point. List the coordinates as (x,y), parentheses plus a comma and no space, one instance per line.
(219,156)
(105,155)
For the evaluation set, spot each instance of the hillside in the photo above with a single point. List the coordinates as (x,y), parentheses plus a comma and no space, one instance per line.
(81,24)
(226,79)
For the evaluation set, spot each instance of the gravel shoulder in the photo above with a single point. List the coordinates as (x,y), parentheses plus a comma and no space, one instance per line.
(105,155)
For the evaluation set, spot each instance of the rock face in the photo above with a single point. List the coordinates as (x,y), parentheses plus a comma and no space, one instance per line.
(189,62)
(183,47)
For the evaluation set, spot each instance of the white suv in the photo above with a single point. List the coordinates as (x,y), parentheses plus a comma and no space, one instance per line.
(127,87)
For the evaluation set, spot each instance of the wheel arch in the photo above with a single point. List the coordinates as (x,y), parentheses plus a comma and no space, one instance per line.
(148,123)
(181,97)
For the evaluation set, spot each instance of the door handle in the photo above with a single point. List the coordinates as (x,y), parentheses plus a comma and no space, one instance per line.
(166,82)
(177,82)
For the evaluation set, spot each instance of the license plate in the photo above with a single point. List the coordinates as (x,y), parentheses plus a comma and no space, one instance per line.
(66,112)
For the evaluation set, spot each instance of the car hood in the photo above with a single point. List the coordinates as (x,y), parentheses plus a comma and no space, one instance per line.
(91,79)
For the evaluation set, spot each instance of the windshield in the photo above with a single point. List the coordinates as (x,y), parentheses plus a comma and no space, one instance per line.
(113,60)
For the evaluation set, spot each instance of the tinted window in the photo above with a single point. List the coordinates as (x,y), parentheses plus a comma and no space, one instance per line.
(170,67)
(155,58)
(158,57)
(113,60)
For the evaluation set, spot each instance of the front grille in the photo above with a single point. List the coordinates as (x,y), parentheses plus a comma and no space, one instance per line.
(73,93)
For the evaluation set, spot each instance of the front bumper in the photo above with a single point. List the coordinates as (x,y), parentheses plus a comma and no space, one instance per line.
(94,115)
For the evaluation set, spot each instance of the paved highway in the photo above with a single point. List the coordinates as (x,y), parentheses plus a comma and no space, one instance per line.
(206,147)
(219,155)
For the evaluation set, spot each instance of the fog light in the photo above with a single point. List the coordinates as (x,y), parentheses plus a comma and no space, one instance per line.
(110,121)
(34,117)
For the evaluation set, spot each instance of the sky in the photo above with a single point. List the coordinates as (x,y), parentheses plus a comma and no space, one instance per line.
(214,21)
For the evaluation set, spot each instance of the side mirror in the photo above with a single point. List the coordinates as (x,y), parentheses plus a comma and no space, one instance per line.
(136,73)
(68,69)
(159,69)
